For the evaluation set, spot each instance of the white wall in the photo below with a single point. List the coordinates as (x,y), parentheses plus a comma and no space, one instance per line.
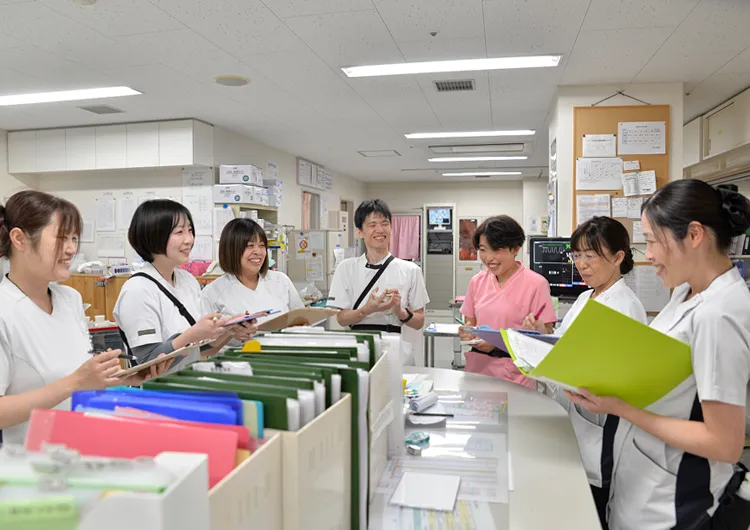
(9,183)
(582,96)
(82,188)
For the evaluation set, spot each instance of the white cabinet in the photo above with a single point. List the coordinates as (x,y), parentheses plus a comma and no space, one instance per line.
(720,131)
(22,152)
(134,145)
(142,144)
(80,149)
(176,143)
(692,142)
(111,147)
(50,150)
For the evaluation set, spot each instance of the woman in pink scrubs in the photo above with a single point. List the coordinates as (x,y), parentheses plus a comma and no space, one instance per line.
(502,296)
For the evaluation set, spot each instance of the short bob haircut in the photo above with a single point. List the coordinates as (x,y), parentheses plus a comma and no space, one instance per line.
(152,225)
(31,211)
(234,239)
(501,231)
(371,206)
(599,233)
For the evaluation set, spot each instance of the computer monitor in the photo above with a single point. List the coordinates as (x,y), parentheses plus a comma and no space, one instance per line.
(551,257)
(439,217)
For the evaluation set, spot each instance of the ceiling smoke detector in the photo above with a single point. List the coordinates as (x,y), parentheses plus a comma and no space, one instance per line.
(231,80)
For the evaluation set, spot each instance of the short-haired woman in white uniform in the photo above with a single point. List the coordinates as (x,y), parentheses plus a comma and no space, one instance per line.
(44,339)
(602,255)
(247,284)
(158,310)
(673,460)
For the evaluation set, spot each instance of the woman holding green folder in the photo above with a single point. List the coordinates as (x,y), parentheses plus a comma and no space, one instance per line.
(673,461)
(602,255)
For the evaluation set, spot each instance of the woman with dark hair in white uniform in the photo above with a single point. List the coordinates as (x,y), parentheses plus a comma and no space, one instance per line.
(673,460)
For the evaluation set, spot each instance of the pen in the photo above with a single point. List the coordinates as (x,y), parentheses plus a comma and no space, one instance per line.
(539,313)
(460,321)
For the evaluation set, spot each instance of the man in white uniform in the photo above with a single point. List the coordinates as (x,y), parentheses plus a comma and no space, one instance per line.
(378,291)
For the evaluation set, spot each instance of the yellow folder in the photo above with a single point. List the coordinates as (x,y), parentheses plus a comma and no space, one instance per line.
(610,354)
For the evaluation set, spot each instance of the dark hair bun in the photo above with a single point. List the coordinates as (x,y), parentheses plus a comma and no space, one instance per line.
(735,208)
(627,262)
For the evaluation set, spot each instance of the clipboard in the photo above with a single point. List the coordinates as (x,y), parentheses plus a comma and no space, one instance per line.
(303,316)
(180,351)
(249,318)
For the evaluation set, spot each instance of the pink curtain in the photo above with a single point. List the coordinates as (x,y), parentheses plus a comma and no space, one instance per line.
(405,236)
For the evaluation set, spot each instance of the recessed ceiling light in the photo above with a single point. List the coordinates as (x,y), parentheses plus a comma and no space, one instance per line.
(67,95)
(465,65)
(468,134)
(482,173)
(379,153)
(231,80)
(476,149)
(475,158)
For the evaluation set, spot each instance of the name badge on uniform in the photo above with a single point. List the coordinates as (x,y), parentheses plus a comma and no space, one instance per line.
(144,332)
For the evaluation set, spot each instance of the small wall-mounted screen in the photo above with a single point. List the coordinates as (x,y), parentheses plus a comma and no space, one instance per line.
(439,216)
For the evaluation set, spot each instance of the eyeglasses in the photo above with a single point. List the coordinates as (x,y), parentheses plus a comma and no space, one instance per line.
(585,258)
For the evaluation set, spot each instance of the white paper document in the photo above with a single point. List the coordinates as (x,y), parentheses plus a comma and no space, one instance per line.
(642,138)
(648,287)
(639,183)
(197,196)
(430,492)
(203,249)
(314,269)
(272,170)
(87,236)
(105,215)
(589,206)
(126,206)
(222,217)
(529,352)
(634,207)
(317,240)
(631,165)
(638,236)
(599,145)
(598,173)
(111,246)
(619,207)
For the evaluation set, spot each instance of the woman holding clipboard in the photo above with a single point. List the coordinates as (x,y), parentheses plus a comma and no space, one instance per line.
(502,296)
(158,310)
(674,461)
(602,255)
(248,286)
(45,349)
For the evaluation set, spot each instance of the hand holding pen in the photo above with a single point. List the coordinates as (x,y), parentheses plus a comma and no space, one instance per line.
(532,322)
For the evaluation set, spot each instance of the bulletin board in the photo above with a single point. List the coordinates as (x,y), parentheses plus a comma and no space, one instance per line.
(604,121)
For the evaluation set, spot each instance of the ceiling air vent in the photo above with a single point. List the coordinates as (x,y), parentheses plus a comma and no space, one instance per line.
(101,109)
(455,85)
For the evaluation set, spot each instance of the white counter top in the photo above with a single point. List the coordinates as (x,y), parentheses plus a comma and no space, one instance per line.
(550,486)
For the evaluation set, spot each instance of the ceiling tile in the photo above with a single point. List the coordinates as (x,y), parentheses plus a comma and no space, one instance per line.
(347,39)
(460,110)
(626,14)
(740,64)
(443,49)
(415,19)
(6,41)
(399,101)
(712,92)
(520,27)
(674,64)
(52,71)
(237,26)
(612,56)
(123,17)
(295,8)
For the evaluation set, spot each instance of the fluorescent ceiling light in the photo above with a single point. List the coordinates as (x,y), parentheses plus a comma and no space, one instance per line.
(67,95)
(477,149)
(468,134)
(482,173)
(475,158)
(465,65)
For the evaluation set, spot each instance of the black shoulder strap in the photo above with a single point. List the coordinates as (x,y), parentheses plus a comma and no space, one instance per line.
(374,280)
(181,308)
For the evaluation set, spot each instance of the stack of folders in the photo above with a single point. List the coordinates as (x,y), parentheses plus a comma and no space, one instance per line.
(603,351)
(293,377)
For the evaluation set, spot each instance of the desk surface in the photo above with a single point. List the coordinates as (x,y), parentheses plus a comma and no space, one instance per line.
(550,485)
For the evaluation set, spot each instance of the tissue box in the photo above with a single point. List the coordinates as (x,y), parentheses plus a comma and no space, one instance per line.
(244,174)
(237,194)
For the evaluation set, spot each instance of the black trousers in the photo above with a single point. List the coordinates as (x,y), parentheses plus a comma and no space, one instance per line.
(601,498)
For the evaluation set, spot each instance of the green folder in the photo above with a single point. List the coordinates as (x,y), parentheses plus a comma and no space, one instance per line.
(274,400)
(611,354)
(343,354)
(362,336)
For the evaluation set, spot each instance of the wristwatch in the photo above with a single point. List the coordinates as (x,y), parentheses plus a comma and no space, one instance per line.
(407,319)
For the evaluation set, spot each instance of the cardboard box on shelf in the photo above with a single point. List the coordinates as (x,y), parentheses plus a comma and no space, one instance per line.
(239,194)
(241,174)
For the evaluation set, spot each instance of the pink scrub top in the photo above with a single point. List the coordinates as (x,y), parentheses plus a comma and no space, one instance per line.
(505,307)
